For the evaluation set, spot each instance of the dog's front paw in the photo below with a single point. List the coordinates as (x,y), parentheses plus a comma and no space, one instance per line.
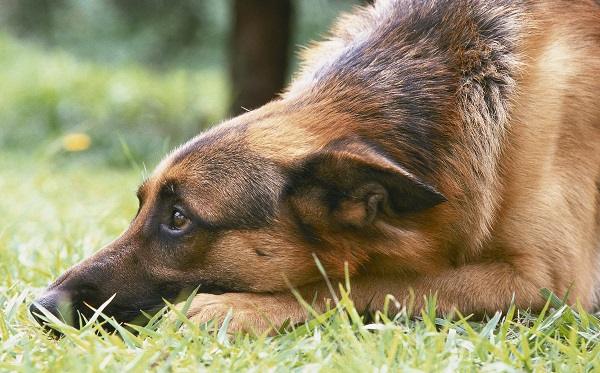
(251,312)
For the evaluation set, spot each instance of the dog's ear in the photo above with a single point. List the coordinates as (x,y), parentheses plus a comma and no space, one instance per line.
(351,184)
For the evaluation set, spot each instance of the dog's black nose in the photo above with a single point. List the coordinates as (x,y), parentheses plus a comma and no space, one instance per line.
(57,303)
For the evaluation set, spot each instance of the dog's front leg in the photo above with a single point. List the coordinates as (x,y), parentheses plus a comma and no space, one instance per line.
(477,288)
(471,289)
(254,313)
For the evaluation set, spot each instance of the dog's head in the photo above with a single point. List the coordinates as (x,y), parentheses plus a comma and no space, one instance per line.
(245,207)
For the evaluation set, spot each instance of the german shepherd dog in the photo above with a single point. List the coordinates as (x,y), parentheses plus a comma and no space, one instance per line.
(447,147)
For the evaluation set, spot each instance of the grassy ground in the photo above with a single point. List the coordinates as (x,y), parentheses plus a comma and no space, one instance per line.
(55,211)
(48,93)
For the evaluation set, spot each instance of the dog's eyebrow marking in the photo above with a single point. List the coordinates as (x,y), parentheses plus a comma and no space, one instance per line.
(168,188)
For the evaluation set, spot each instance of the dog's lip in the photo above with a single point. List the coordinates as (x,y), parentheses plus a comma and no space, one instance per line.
(215,290)
(220,287)
(130,312)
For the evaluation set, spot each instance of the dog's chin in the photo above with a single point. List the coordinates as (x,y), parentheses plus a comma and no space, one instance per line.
(128,312)
(135,315)
(138,313)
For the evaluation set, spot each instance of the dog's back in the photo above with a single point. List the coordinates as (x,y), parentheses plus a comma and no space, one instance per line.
(516,143)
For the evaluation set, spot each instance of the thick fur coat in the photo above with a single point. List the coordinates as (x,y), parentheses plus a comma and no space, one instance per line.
(447,147)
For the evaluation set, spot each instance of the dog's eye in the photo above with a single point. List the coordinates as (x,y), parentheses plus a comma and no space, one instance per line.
(178,220)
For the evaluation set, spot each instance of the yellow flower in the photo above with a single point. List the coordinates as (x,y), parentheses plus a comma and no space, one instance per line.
(76,142)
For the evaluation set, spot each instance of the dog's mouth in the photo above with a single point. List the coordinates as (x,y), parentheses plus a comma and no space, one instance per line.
(76,313)
(137,314)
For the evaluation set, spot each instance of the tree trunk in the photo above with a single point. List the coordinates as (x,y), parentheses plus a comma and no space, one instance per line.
(260,50)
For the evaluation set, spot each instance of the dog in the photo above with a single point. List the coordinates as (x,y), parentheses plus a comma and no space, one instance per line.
(447,147)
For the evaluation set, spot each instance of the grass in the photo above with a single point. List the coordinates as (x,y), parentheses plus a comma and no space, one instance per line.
(56,211)
(48,93)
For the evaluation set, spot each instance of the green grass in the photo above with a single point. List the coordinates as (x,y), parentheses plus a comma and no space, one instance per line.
(49,93)
(56,211)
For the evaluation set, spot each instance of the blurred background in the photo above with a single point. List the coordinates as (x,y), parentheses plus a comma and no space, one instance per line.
(119,82)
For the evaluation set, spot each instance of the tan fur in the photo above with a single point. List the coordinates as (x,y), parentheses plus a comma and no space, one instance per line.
(475,176)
